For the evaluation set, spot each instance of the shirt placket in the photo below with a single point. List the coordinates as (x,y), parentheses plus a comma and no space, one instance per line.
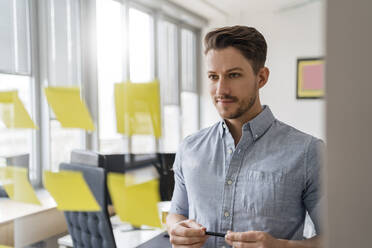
(230,185)
(229,149)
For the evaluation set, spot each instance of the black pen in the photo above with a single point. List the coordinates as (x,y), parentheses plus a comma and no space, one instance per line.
(216,234)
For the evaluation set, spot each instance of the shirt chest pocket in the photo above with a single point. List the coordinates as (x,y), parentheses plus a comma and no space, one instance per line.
(269,194)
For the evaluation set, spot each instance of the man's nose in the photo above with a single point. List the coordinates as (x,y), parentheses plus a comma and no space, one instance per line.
(222,87)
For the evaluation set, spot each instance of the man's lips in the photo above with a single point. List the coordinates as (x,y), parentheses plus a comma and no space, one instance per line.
(225,101)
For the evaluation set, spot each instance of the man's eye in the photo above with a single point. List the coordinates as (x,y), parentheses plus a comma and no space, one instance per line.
(234,75)
(213,77)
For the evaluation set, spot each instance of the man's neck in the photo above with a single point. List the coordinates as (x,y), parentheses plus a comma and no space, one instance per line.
(236,125)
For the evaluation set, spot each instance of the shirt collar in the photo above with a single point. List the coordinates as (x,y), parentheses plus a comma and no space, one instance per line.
(223,128)
(258,125)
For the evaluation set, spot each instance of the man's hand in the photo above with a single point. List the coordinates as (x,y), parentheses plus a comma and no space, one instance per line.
(187,233)
(252,239)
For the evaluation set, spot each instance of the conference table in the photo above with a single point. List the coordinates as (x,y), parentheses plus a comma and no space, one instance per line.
(17,221)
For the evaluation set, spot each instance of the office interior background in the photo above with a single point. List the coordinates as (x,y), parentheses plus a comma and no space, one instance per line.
(94,44)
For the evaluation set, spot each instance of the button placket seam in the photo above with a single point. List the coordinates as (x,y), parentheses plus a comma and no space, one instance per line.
(233,186)
(233,170)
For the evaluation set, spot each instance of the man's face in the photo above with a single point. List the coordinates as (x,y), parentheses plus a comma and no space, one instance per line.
(233,83)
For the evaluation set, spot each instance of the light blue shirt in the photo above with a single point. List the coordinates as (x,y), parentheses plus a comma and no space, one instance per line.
(266,183)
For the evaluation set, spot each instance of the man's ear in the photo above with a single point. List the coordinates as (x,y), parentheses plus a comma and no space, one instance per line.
(263,76)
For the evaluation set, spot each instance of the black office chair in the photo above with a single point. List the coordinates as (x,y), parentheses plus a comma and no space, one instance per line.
(2,192)
(79,156)
(21,160)
(91,229)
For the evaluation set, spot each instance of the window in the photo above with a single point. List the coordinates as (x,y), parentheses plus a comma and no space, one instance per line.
(15,37)
(141,43)
(62,142)
(15,74)
(16,142)
(141,65)
(189,95)
(111,70)
(126,51)
(170,85)
(127,33)
(190,109)
(114,63)
(63,70)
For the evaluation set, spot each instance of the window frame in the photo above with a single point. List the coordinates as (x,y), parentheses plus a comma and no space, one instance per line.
(33,74)
(159,16)
(43,43)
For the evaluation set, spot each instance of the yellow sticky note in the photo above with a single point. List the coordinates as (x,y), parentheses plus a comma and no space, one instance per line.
(135,203)
(17,186)
(4,246)
(13,112)
(138,108)
(69,108)
(70,191)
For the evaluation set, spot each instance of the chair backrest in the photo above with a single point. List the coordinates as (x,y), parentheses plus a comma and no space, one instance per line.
(91,229)
(87,158)
(22,160)
(2,192)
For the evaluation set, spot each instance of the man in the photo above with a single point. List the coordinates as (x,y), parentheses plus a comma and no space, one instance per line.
(249,175)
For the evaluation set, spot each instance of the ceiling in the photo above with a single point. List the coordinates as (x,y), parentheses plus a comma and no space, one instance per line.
(212,9)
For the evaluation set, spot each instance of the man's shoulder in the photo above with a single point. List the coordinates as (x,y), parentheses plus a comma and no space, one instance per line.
(204,134)
(291,133)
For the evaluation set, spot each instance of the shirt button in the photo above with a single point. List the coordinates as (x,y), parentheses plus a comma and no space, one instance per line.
(229,151)
(227,214)
(256,136)
(229,182)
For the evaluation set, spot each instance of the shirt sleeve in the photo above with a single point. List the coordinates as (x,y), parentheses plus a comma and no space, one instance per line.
(312,194)
(179,204)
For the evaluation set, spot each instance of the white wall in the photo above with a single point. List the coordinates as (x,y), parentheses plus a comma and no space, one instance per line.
(290,34)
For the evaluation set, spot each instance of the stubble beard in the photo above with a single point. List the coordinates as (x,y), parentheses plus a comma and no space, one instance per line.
(244,107)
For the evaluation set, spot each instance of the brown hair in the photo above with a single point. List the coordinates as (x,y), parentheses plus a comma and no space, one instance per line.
(247,40)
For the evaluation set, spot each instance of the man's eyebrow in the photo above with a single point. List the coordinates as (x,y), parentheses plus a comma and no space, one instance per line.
(229,70)
(235,69)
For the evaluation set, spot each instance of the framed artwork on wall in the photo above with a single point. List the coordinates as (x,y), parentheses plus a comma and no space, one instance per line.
(310,78)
